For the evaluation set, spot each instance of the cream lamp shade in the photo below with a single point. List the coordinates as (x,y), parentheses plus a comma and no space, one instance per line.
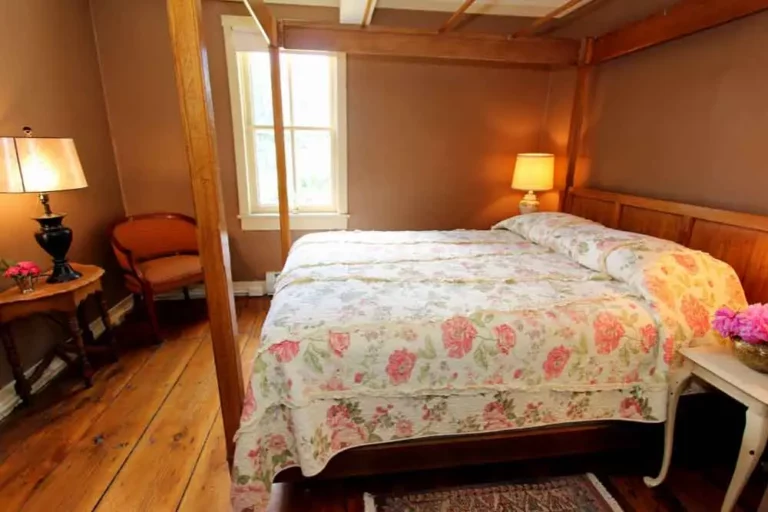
(533,172)
(30,164)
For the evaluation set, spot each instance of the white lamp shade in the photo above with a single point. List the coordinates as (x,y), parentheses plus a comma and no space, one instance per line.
(534,171)
(29,164)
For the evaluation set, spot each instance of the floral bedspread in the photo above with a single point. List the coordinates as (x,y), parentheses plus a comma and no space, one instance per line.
(548,318)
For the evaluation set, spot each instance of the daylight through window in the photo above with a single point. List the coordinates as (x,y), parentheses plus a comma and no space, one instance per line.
(314,119)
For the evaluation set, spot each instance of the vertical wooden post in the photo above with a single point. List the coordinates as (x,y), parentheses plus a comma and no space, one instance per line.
(282,180)
(268,25)
(193,85)
(580,111)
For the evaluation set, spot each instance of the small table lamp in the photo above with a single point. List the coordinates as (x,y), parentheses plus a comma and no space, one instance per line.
(534,172)
(42,165)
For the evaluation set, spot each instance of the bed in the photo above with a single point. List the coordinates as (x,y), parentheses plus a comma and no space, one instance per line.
(739,239)
(390,337)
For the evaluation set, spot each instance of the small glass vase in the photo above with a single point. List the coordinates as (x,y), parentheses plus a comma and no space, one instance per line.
(753,355)
(26,284)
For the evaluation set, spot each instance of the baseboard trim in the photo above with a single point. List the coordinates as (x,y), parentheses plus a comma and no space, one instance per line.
(241,289)
(8,397)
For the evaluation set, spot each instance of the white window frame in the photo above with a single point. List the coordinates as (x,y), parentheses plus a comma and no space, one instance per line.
(241,32)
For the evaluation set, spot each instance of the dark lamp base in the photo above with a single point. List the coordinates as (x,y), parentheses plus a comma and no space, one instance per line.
(55,239)
(62,273)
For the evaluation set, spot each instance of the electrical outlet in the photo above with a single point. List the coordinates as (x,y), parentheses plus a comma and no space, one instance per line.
(271,279)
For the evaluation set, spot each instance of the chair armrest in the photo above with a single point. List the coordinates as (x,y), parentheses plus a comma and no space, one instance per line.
(128,254)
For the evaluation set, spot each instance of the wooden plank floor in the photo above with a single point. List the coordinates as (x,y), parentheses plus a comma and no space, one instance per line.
(148,437)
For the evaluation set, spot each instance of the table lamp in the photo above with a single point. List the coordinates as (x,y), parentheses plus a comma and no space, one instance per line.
(534,172)
(41,165)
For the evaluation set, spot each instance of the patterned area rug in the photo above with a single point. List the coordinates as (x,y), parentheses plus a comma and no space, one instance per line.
(579,493)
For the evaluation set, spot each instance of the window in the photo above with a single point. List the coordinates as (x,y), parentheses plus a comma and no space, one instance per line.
(314,115)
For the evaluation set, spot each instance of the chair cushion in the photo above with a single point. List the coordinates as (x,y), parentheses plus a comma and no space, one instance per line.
(172,271)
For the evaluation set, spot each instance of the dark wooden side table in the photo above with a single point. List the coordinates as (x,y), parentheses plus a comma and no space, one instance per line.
(66,298)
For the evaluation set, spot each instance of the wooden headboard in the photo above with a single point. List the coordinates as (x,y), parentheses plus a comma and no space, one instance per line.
(740,239)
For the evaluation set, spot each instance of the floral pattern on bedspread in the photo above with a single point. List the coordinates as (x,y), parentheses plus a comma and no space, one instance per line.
(683,287)
(376,337)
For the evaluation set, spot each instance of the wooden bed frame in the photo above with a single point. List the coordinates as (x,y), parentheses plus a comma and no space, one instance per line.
(740,239)
(722,234)
(481,449)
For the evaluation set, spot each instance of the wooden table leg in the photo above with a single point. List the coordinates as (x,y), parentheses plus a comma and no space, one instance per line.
(62,353)
(83,321)
(109,331)
(77,336)
(752,446)
(677,384)
(22,386)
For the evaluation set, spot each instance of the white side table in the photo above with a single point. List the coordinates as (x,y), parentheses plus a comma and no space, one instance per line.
(720,368)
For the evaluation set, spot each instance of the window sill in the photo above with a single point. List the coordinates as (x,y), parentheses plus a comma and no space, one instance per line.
(298,221)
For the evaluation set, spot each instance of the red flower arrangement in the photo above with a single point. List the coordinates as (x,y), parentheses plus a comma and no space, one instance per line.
(22,269)
(23,273)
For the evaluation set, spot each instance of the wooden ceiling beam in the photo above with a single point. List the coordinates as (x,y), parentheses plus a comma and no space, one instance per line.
(375,40)
(370,5)
(683,18)
(264,19)
(456,16)
(540,22)
(356,12)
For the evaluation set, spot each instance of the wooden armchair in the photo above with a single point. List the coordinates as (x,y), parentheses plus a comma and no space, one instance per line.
(158,253)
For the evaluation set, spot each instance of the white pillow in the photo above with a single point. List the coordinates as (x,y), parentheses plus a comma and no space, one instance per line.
(540,224)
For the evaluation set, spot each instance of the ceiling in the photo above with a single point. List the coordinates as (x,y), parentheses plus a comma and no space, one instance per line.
(498,7)
(591,17)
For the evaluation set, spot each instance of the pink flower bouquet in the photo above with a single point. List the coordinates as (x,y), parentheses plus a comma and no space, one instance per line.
(22,269)
(750,325)
(24,274)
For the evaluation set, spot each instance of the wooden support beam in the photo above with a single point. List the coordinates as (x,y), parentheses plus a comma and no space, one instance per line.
(579,112)
(282,179)
(193,86)
(456,16)
(418,43)
(540,22)
(264,19)
(681,19)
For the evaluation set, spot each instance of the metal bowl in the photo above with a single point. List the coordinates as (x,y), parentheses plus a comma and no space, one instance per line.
(754,356)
